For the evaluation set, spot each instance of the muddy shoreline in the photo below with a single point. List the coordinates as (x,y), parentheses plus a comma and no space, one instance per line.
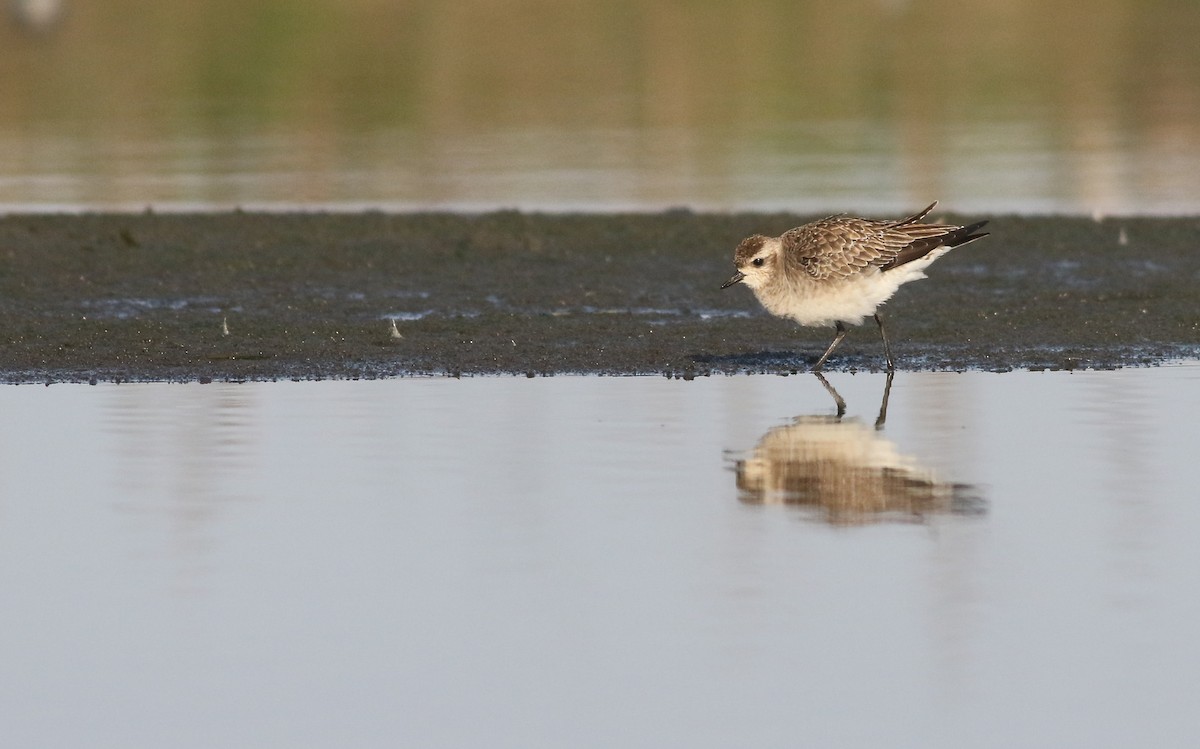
(246,296)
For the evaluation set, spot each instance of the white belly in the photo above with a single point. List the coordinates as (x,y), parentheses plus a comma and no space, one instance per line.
(850,300)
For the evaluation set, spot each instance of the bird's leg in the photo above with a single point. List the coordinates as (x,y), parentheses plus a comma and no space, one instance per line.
(887,391)
(887,346)
(841,404)
(841,333)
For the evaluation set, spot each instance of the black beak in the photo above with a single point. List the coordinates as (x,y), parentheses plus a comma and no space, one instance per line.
(736,277)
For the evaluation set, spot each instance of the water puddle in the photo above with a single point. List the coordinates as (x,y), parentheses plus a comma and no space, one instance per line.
(638,561)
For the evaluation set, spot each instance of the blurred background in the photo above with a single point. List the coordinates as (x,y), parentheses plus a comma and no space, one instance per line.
(1030,106)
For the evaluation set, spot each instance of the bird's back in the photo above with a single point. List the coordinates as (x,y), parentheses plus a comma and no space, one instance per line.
(843,246)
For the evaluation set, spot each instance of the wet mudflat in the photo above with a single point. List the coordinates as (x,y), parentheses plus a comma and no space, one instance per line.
(235,296)
(587,561)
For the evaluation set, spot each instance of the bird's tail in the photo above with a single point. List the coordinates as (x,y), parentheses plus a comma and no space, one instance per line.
(938,237)
(959,237)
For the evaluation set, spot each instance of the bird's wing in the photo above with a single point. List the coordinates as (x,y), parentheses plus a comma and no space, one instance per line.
(842,246)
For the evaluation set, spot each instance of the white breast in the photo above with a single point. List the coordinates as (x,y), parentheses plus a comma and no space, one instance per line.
(849,300)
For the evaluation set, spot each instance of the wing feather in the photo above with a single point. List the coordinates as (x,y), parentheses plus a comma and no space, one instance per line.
(843,246)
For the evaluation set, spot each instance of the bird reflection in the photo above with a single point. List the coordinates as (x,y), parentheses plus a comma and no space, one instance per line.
(847,472)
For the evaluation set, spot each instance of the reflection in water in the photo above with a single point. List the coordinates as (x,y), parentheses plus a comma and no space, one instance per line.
(847,471)
(181,463)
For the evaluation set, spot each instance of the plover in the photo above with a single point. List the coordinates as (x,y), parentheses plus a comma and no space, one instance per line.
(838,270)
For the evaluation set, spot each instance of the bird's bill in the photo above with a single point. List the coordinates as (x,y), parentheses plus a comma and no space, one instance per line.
(736,278)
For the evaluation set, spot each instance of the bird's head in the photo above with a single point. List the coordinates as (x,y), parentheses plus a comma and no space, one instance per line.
(754,259)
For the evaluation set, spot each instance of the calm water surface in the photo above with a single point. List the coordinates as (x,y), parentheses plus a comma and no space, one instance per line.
(583,561)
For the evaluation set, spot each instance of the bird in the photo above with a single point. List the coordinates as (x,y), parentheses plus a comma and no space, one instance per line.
(838,270)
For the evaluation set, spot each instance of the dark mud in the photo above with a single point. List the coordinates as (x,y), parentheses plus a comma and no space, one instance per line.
(264,296)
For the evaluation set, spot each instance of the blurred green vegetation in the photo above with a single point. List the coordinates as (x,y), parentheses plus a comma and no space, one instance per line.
(1083,74)
(474,63)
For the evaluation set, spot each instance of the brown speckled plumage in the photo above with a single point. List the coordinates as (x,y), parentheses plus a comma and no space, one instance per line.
(841,246)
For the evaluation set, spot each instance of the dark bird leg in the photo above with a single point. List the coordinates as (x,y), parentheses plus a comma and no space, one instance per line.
(841,333)
(887,347)
(887,391)
(841,404)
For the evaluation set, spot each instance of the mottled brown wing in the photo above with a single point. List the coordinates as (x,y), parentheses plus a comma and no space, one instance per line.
(842,246)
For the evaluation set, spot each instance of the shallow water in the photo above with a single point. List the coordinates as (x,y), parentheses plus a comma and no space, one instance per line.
(576,561)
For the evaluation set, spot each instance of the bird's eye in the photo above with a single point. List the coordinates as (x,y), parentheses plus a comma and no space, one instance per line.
(757,262)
